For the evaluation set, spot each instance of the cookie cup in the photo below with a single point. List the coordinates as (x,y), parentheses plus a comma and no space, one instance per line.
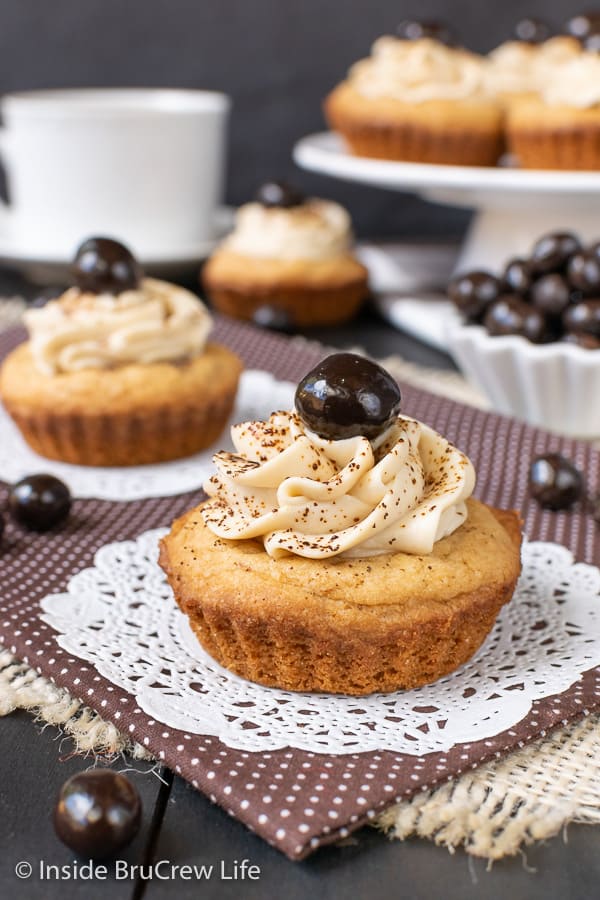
(310,292)
(553,137)
(349,626)
(129,415)
(465,132)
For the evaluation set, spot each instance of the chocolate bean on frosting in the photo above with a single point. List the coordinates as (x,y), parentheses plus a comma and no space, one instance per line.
(105,266)
(347,395)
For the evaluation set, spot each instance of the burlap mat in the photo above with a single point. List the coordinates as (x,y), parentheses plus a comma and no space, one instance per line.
(494,810)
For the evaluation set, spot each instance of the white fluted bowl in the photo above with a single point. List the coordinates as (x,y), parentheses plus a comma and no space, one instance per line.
(555,386)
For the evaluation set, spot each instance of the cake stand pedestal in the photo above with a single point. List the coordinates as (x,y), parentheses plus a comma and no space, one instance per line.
(513,207)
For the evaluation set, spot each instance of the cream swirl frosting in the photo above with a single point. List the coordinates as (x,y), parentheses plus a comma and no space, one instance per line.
(554,53)
(316,229)
(417,71)
(576,84)
(517,67)
(304,495)
(511,68)
(155,322)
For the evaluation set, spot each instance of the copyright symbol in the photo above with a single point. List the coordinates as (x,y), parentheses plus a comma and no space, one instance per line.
(23,869)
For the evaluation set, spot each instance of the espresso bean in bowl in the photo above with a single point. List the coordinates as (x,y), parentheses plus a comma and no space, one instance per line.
(534,349)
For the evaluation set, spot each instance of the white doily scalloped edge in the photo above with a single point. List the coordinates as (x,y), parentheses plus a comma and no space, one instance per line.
(259,394)
(120,616)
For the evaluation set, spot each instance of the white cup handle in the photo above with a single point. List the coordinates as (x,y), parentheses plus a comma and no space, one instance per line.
(5,208)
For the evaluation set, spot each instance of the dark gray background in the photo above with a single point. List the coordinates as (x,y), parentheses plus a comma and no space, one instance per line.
(277,59)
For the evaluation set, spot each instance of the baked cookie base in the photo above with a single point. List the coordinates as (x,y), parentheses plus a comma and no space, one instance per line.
(158,413)
(554,137)
(565,149)
(305,308)
(348,626)
(416,133)
(310,293)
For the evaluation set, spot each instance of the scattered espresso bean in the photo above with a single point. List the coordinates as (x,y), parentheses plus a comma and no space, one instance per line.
(552,252)
(585,341)
(473,292)
(551,294)
(592,42)
(532,31)
(593,505)
(39,501)
(583,317)
(555,482)
(97,813)
(2,525)
(274,318)
(412,30)
(594,249)
(517,277)
(103,265)
(347,395)
(583,25)
(511,315)
(279,194)
(583,272)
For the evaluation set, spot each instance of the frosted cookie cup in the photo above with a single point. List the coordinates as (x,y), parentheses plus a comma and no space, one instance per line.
(119,370)
(519,70)
(288,254)
(346,564)
(560,128)
(418,101)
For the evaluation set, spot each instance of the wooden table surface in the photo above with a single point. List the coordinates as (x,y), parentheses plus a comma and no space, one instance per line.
(181,827)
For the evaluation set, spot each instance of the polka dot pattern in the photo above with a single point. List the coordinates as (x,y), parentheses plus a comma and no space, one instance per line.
(295,800)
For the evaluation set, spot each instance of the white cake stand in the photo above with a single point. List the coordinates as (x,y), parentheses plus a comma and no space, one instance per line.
(513,206)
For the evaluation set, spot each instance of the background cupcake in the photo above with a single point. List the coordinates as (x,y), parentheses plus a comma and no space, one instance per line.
(420,101)
(518,69)
(560,128)
(118,371)
(288,254)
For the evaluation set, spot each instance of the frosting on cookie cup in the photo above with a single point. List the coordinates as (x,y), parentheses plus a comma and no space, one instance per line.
(297,260)
(560,129)
(319,498)
(418,101)
(120,380)
(518,70)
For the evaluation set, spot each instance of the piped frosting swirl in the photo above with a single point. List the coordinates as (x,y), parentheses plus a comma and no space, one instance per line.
(156,322)
(417,71)
(315,230)
(516,67)
(576,84)
(307,496)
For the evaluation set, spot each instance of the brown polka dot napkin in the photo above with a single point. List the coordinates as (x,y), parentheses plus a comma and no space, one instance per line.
(295,800)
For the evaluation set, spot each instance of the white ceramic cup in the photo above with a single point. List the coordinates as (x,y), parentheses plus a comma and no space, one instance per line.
(142,165)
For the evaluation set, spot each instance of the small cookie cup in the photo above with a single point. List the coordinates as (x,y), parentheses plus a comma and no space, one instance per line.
(129,415)
(465,132)
(310,293)
(350,626)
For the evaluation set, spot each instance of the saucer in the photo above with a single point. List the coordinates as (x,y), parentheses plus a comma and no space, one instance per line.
(50,265)
(408,282)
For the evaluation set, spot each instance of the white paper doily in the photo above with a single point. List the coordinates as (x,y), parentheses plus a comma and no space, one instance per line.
(259,394)
(120,615)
